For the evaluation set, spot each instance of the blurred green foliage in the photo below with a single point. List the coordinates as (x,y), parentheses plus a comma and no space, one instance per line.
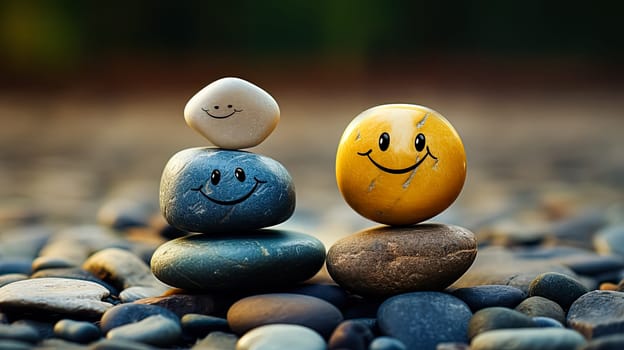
(62,34)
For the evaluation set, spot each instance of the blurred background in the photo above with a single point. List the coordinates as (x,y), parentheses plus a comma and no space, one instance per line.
(92,94)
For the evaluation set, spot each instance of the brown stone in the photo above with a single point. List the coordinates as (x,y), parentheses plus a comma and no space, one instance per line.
(386,260)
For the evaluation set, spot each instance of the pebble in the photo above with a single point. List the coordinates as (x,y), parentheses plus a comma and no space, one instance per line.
(181,304)
(155,330)
(400,164)
(480,297)
(610,240)
(19,332)
(386,260)
(557,287)
(130,313)
(453,346)
(55,295)
(217,341)
(232,113)
(74,273)
(263,309)
(386,343)
(124,270)
(497,318)
(597,313)
(281,336)
(609,342)
(77,331)
(209,262)
(423,319)
(119,344)
(351,335)
(212,190)
(201,325)
(546,322)
(540,306)
(11,277)
(528,339)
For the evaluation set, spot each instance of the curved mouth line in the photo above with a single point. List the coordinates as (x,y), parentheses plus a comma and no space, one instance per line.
(232,202)
(396,171)
(222,117)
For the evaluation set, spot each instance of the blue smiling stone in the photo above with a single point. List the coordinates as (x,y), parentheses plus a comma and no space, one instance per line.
(212,190)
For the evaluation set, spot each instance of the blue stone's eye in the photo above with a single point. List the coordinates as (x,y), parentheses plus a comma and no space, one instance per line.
(215,177)
(384,141)
(420,142)
(240,174)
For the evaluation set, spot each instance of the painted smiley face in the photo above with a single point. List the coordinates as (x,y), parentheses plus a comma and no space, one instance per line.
(400,164)
(215,177)
(232,113)
(215,109)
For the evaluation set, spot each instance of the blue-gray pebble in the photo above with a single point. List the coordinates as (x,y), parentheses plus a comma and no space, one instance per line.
(77,331)
(123,314)
(212,190)
(497,318)
(562,289)
(421,320)
(258,259)
(480,297)
(386,343)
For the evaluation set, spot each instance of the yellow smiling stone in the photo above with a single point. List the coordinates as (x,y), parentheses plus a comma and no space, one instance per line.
(400,164)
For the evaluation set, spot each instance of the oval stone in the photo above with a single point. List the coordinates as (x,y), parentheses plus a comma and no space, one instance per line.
(597,313)
(263,309)
(77,331)
(560,288)
(155,330)
(392,260)
(540,306)
(281,336)
(421,320)
(497,318)
(213,190)
(253,260)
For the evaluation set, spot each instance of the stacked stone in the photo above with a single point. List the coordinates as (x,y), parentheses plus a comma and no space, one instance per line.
(228,197)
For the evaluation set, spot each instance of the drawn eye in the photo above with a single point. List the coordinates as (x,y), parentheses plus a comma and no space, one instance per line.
(216,107)
(229,106)
(384,141)
(215,177)
(419,142)
(240,174)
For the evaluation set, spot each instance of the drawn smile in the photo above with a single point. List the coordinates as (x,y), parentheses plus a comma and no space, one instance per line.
(222,117)
(234,201)
(396,171)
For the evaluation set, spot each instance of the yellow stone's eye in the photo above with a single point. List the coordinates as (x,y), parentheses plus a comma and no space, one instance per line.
(384,141)
(420,142)
(412,181)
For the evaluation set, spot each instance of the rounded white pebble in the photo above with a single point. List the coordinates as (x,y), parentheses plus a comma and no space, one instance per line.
(232,113)
(281,336)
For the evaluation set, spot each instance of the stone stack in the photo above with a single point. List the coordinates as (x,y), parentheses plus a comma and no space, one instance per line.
(228,197)
(399,165)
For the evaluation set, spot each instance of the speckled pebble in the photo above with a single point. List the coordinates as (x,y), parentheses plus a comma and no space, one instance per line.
(388,260)
(156,330)
(210,263)
(263,309)
(423,319)
(528,339)
(281,336)
(77,331)
(597,313)
(557,287)
(212,190)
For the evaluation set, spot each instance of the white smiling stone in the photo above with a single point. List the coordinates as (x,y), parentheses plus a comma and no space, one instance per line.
(232,113)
